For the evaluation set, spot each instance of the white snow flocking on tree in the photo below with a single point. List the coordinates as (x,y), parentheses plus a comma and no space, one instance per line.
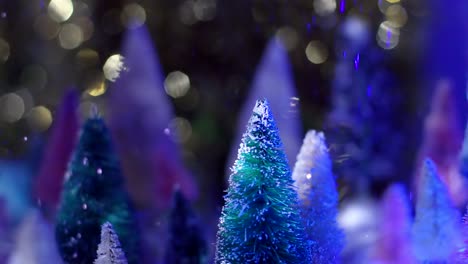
(109,250)
(318,199)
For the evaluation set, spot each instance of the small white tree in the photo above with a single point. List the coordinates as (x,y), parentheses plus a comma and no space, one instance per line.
(109,250)
(35,243)
(318,199)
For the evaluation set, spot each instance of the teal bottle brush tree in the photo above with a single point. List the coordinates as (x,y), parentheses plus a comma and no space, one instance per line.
(260,221)
(93,194)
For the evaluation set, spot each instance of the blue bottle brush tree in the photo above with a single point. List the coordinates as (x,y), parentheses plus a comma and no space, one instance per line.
(186,242)
(436,228)
(94,194)
(318,199)
(260,222)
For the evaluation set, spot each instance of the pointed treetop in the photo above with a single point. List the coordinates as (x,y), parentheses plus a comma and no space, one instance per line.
(94,139)
(273,80)
(260,222)
(59,149)
(262,127)
(318,196)
(94,111)
(141,84)
(109,250)
(436,230)
(430,178)
(140,112)
(261,110)
(394,242)
(312,159)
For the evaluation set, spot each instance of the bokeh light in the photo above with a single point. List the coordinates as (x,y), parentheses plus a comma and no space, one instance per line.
(34,77)
(98,89)
(4,50)
(70,36)
(316,52)
(396,15)
(28,99)
(180,128)
(288,36)
(177,84)
(39,118)
(87,58)
(113,66)
(86,26)
(186,14)
(204,10)
(388,36)
(60,10)
(11,107)
(133,15)
(46,27)
(324,7)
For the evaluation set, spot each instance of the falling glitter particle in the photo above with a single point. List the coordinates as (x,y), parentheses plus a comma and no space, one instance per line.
(356,62)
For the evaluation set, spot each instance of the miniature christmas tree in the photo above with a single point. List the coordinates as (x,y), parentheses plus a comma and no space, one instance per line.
(139,114)
(435,231)
(109,250)
(59,149)
(318,198)
(186,243)
(442,140)
(273,70)
(260,222)
(394,244)
(363,112)
(94,194)
(35,242)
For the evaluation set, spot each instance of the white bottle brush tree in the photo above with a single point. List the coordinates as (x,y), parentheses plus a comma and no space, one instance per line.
(318,199)
(109,250)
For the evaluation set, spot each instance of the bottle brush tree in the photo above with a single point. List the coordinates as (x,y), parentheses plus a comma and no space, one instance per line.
(260,221)
(435,232)
(394,241)
(93,194)
(186,241)
(109,250)
(318,199)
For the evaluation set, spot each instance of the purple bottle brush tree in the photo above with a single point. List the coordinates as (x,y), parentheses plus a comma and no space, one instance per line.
(394,231)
